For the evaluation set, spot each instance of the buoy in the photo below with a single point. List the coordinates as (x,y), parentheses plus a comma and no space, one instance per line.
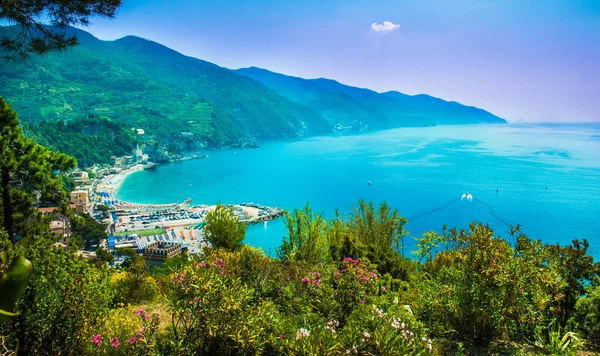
(369,183)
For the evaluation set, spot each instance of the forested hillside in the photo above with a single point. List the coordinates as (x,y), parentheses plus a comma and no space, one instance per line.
(146,85)
(350,106)
(142,84)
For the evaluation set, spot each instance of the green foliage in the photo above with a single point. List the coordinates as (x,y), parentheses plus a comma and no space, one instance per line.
(214,313)
(33,37)
(144,85)
(65,299)
(91,140)
(223,230)
(555,340)
(306,239)
(587,315)
(479,289)
(103,208)
(86,230)
(27,169)
(133,284)
(126,331)
(103,255)
(14,276)
(367,233)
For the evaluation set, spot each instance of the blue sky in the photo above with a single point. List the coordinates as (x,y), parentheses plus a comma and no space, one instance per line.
(520,59)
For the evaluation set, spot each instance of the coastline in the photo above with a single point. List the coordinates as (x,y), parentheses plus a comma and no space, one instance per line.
(112,182)
(107,188)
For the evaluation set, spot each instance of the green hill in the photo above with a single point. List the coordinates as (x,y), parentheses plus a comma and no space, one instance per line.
(144,84)
(350,106)
(141,84)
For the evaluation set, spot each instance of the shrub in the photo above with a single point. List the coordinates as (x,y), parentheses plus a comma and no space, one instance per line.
(126,332)
(587,316)
(214,313)
(66,298)
(223,230)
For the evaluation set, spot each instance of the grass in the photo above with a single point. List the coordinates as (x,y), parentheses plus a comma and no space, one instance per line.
(149,232)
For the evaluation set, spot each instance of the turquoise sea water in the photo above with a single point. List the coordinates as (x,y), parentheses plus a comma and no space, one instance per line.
(548,179)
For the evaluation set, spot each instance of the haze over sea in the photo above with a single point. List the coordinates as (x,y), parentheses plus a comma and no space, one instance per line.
(547,177)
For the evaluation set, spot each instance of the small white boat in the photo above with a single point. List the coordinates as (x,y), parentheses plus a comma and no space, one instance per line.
(466,196)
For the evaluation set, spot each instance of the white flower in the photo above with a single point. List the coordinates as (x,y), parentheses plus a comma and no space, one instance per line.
(366,335)
(302,333)
(395,323)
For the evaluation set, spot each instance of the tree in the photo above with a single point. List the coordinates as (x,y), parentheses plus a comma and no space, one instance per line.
(27,170)
(104,255)
(223,230)
(87,230)
(34,36)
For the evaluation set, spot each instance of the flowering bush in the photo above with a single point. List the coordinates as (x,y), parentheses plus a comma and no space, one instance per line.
(214,313)
(127,332)
(355,283)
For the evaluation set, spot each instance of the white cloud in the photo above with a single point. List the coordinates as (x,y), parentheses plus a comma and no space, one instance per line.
(385,27)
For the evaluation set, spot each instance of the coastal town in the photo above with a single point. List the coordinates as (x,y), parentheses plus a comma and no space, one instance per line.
(156,231)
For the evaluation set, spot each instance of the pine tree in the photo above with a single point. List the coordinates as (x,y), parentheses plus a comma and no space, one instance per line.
(36,37)
(27,170)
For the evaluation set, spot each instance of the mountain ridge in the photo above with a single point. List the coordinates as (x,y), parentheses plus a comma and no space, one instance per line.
(401,109)
(144,84)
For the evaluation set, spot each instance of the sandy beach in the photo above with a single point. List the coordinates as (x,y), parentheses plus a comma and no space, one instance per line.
(113,182)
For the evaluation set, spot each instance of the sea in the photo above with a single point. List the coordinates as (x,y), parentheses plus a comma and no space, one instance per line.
(546,178)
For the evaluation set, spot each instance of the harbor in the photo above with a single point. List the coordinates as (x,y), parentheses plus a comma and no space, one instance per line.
(136,225)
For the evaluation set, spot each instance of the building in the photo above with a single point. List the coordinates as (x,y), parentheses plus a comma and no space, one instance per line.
(81,200)
(115,161)
(127,160)
(81,177)
(157,252)
(62,228)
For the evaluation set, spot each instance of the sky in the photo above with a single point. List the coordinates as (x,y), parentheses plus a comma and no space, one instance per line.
(524,60)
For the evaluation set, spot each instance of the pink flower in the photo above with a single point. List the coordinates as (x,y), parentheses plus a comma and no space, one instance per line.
(202,264)
(361,301)
(97,340)
(305,280)
(115,342)
(147,317)
(140,311)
